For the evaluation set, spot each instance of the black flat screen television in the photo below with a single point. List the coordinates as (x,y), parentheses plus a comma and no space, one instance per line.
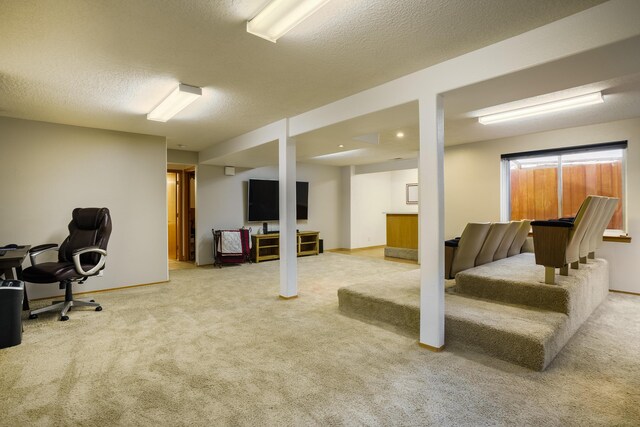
(263,200)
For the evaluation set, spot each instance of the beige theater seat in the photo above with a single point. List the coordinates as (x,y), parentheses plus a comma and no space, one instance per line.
(492,242)
(593,226)
(507,240)
(557,243)
(520,238)
(461,254)
(596,238)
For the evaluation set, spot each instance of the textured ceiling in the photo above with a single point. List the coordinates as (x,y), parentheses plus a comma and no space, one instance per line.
(105,64)
(613,69)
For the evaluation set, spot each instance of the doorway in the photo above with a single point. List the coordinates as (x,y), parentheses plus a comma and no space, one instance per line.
(173,211)
(181,214)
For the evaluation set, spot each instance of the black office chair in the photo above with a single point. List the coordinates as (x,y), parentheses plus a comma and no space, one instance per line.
(80,256)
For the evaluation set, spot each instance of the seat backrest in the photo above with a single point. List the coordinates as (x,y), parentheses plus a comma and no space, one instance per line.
(581,224)
(520,238)
(491,243)
(610,209)
(507,240)
(88,227)
(469,246)
(596,217)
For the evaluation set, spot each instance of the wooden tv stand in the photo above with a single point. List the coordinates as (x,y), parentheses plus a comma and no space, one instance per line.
(267,246)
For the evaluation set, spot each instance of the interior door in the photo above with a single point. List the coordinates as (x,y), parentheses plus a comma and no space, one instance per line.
(172,214)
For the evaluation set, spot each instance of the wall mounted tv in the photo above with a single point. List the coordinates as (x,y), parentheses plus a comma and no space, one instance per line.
(263,200)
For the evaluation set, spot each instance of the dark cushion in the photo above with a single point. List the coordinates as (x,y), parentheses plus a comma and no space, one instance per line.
(453,243)
(49,272)
(564,224)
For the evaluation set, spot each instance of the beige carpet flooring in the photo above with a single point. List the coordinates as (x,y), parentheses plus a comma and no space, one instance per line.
(217,347)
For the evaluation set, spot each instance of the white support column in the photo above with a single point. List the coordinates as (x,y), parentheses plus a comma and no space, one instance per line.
(287,172)
(431,221)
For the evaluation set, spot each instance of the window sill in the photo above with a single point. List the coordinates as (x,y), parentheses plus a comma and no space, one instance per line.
(617,238)
(621,238)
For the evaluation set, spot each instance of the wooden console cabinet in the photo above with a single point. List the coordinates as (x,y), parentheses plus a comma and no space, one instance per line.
(267,246)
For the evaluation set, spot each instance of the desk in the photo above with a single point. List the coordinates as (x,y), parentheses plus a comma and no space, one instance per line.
(13,259)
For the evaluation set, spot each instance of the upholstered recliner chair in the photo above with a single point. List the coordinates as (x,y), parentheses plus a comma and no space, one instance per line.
(460,254)
(492,242)
(80,256)
(560,243)
(596,237)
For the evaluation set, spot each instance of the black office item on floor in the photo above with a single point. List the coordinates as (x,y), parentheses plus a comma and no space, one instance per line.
(11,295)
(82,255)
(320,246)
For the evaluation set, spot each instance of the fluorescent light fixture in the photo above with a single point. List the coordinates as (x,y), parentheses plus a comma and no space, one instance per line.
(280,16)
(548,107)
(177,100)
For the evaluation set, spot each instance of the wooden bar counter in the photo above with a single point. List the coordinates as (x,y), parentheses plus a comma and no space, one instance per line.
(402,230)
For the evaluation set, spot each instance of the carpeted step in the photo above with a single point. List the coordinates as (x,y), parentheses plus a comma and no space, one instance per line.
(518,280)
(527,336)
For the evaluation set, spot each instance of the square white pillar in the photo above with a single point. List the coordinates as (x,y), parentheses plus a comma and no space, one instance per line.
(288,235)
(431,221)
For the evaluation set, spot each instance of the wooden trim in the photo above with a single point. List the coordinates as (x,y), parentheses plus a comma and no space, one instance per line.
(607,238)
(624,292)
(618,239)
(287,298)
(366,248)
(431,348)
(97,291)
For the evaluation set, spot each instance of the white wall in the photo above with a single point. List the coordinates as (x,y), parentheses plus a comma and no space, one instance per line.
(398,192)
(472,186)
(221,203)
(49,169)
(370,198)
(373,195)
(182,157)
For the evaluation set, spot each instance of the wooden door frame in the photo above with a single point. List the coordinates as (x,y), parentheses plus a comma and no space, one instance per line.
(179,213)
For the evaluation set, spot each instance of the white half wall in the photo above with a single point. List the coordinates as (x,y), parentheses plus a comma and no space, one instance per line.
(50,169)
(472,186)
(221,203)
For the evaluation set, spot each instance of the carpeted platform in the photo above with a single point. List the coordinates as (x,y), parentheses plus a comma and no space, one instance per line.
(518,321)
(404,253)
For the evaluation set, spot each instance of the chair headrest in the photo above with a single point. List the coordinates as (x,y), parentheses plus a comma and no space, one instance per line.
(89,218)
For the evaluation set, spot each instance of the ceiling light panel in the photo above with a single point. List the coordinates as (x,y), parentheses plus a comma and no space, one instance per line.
(280,16)
(547,107)
(177,100)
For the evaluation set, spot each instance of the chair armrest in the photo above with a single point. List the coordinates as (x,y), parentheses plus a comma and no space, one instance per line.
(76,260)
(37,250)
(453,243)
(550,239)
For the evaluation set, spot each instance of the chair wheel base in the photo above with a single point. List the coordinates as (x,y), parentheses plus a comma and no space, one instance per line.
(98,308)
(33,316)
(64,318)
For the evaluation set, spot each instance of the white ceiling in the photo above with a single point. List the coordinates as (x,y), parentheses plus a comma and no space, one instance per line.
(106,64)
(614,70)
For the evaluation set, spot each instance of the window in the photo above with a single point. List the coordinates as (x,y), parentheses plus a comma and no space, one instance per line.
(550,184)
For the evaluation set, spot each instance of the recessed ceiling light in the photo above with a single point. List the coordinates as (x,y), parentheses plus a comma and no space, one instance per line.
(400,134)
(182,146)
(547,107)
(280,16)
(177,100)
(341,146)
